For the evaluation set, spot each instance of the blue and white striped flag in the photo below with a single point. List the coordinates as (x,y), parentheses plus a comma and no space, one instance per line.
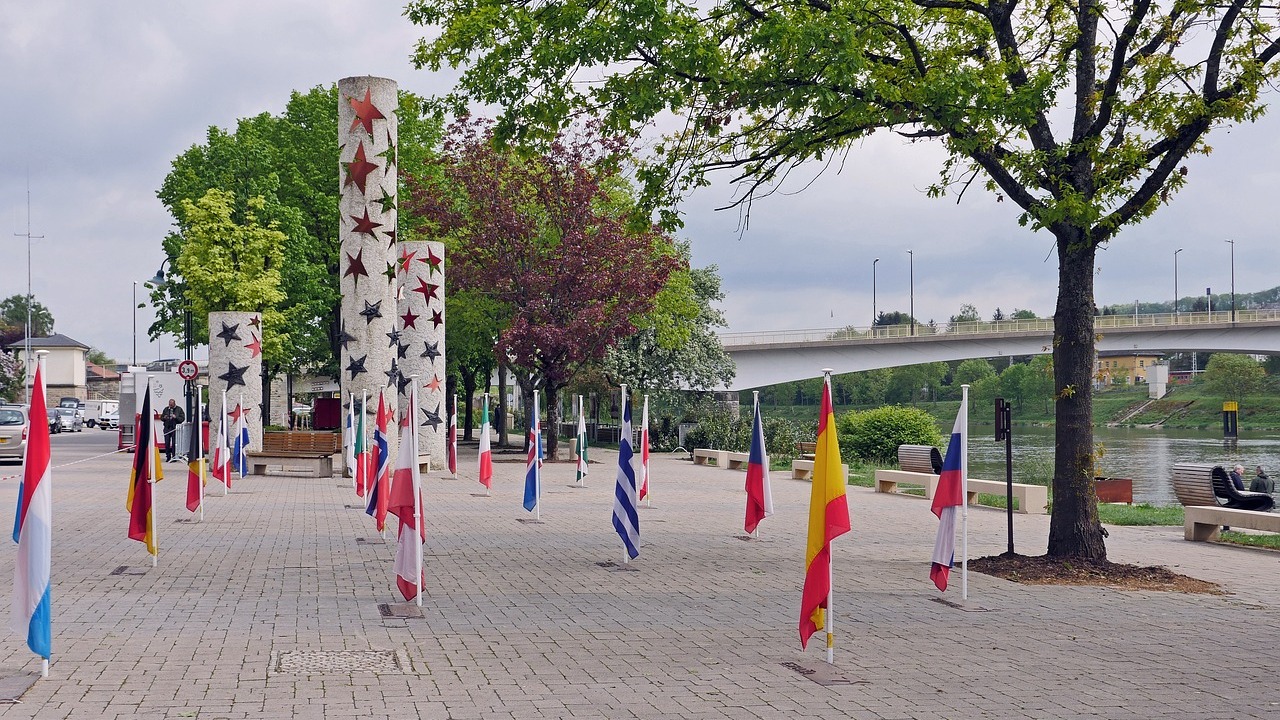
(625,519)
(533,472)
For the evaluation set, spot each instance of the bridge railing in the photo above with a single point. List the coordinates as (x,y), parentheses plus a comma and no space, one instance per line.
(1040,325)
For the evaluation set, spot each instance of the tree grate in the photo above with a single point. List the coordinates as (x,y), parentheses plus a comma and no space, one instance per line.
(340,662)
(400,610)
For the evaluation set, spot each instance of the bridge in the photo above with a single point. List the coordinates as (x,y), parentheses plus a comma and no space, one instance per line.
(767,358)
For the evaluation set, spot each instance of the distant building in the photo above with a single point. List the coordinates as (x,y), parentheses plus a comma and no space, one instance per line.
(1117,367)
(102,383)
(65,364)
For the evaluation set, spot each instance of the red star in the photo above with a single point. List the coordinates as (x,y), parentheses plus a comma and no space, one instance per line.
(364,225)
(431,260)
(437,318)
(427,289)
(255,347)
(409,318)
(406,257)
(355,267)
(359,168)
(237,412)
(366,113)
(434,385)
(256,321)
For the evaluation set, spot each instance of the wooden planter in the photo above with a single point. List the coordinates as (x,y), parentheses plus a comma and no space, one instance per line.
(1114,490)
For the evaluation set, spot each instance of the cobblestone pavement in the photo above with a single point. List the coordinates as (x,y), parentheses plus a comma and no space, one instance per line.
(270,609)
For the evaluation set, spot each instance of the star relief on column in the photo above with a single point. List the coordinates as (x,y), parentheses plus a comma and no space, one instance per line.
(355,267)
(234,375)
(359,169)
(366,112)
(229,333)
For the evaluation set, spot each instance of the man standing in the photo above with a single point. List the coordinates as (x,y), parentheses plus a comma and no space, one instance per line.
(1262,483)
(172,416)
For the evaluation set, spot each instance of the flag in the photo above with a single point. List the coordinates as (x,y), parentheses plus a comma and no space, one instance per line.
(453,439)
(580,443)
(145,460)
(828,519)
(195,463)
(533,473)
(949,496)
(33,531)
(405,503)
(240,450)
(486,455)
(348,438)
(759,493)
(625,518)
(362,455)
(644,450)
(221,466)
(380,490)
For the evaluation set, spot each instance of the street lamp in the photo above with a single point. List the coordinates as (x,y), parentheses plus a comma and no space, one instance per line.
(135,322)
(1175,284)
(874,316)
(912,285)
(1233,279)
(179,292)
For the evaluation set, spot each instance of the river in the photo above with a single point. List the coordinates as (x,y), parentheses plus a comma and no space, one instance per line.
(1146,456)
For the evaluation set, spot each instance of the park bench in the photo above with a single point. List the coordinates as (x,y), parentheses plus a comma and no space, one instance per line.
(1202,523)
(1030,498)
(702,455)
(1205,485)
(803,470)
(806,450)
(919,459)
(737,460)
(296,451)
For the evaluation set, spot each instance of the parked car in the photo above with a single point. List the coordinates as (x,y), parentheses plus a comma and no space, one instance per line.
(55,421)
(13,432)
(72,420)
(109,418)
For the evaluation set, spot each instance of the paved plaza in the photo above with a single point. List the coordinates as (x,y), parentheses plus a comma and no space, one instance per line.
(270,609)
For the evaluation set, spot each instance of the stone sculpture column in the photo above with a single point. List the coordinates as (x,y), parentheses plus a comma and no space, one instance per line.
(235,365)
(367,181)
(420,345)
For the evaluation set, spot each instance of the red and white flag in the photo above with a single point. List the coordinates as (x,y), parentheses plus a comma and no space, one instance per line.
(759,493)
(644,452)
(33,532)
(221,466)
(948,497)
(406,504)
(486,456)
(453,439)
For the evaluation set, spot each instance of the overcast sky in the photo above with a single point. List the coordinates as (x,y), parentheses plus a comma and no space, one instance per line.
(103,95)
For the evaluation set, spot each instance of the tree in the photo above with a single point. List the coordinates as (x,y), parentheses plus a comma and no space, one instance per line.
(971,371)
(1022,315)
(1081,114)
(968,313)
(12,378)
(896,317)
(13,312)
(98,357)
(475,321)
(1233,376)
(1016,383)
(550,237)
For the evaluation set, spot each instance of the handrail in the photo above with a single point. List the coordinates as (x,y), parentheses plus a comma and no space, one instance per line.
(1038,325)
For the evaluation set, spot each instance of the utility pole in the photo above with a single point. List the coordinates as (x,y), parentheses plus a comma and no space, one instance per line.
(26,357)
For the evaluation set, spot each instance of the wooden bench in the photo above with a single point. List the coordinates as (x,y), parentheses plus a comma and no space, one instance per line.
(919,459)
(806,450)
(1202,523)
(803,470)
(702,455)
(1204,485)
(296,451)
(738,460)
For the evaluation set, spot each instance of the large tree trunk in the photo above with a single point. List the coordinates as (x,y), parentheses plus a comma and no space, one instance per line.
(551,430)
(501,417)
(1074,530)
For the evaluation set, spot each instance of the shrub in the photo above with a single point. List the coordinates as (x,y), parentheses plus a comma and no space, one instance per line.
(876,434)
(720,430)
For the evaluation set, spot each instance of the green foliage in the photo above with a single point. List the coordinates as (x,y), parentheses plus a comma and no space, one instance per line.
(971,371)
(1142,514)
(13,313)
(98,357)
(876,434)
(11,377)
(1233,376)
(720,430)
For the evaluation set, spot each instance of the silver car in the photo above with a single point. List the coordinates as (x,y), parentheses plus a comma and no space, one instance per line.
(72,420)
(13,432)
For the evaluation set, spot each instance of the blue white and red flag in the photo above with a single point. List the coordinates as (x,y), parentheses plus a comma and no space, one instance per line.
(947,499)
(380,490)
(33,531)
(533,473)
(759,492)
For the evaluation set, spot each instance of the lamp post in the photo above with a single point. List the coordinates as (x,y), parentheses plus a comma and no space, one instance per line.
(179,292)
(874,315)
(1175,284)
(135,322)
(911,283)
(1232,243)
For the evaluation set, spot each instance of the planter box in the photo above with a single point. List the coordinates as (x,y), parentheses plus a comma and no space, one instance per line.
(1114,490)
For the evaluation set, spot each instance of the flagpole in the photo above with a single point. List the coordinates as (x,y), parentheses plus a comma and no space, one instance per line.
(964,495)
(222,428)
(626,556)
(581,440)
(453,439)
(755,410)
(199,452)
(537,460)
(417,487)
(644,453)
(831,563)
(485,429)
(151,451)
(351,416)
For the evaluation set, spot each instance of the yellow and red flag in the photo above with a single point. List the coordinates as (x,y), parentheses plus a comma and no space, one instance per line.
(828,519)
(145,462)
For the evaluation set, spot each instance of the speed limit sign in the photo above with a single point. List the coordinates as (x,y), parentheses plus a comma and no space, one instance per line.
(187,370)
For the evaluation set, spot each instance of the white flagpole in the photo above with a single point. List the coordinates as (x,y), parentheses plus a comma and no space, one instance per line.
(41,367)
(537,460)
(151,476)
(417,487)
(964,494)
(351,415)
(198,426)
(755,410)
(831,564)
(453,440)
(223,430)
(644,461)
(244,449)
(622,414)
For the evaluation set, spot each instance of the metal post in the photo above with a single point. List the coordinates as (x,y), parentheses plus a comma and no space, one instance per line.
(912,285)
(135,322)
(1233,279)
(874,315)
(1175,284)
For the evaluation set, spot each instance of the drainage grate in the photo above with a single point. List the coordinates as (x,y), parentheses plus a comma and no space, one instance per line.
(823,674)
(371,541)
(340,662)
(354,507)
(126,570)
(961,607)
(530,521)
(612,566)
(400,610)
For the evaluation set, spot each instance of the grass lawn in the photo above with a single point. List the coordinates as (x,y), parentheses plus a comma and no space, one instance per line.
(1114,514)
(1270,540)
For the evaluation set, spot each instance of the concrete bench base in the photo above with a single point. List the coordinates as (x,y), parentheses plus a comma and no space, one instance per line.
(313,465)
(1202,523)
(736,460)
(803,470)
(702,455)
(1033,499)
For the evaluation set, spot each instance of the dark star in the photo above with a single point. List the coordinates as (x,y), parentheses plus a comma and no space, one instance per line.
(344,337)
(365,225)
(366,112)
(401,350)
(427,289)
(371,311)
(229,333)
(437,318)
(255,347)
(432,352)
(359,169)
(409,318)
(391,238)
(433,418)
(406,257)
(234,375)
(390,272)
(355,367)
(394,337)
(256,321)
(393,373)
(355,267)
(432,261)
(403,382)
(387,202)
